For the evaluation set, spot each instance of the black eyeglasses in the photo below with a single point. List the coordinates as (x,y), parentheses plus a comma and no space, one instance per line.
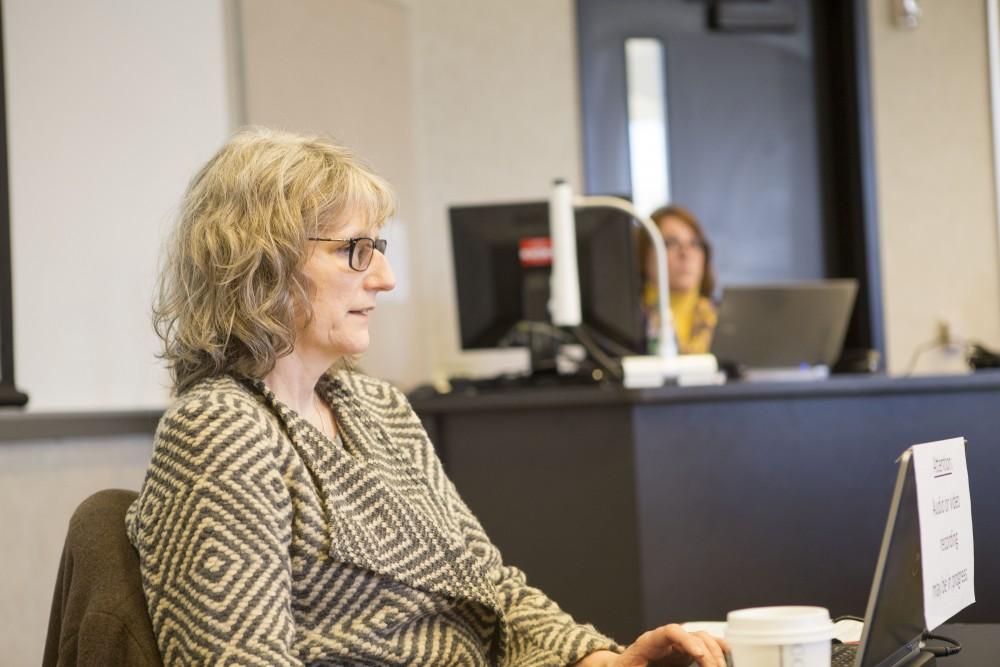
(693,244)
(361,249)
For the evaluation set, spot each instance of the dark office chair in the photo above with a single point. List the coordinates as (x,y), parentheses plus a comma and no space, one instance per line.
(99,614)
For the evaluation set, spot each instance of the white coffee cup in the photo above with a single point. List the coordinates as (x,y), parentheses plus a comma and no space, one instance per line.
(780,636)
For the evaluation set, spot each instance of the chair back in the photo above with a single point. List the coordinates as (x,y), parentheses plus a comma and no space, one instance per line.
(99,614)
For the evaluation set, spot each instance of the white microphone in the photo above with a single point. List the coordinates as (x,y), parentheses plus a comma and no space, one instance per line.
(564,286)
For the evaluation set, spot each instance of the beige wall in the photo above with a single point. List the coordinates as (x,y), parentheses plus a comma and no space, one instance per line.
(937,218)
(41,483)
(497,118)
(342,67)
(112,105)
(454,102)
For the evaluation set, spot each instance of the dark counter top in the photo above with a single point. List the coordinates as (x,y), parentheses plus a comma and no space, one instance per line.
(607,394)
(17,424)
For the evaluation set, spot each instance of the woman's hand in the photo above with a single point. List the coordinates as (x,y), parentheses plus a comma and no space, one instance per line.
(666,646)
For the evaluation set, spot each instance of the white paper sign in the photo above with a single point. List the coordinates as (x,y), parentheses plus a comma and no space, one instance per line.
(945,512)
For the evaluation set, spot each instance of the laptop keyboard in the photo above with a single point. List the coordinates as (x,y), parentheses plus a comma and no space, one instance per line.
(843,655)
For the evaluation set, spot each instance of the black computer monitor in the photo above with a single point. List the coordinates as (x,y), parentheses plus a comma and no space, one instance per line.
(502,273)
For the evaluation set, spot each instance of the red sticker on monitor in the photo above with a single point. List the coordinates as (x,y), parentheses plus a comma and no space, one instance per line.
(535,251)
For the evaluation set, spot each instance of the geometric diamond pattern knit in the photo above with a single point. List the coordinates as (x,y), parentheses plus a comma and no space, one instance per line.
(262,542)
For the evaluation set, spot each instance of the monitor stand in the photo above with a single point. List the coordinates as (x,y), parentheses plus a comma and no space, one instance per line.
(542,352)
(557,356)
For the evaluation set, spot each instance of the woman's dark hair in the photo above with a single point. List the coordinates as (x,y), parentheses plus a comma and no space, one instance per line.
(707,287)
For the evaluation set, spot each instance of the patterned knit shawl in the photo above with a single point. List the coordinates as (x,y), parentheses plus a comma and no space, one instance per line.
(262,542)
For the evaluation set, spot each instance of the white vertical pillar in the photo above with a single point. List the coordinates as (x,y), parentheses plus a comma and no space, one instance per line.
(564,301)
(648,129)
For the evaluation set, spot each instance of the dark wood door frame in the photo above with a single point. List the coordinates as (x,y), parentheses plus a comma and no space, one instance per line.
(847,150)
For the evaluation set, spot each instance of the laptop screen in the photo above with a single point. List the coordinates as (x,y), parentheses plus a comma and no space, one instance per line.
(784,325)
(894,619)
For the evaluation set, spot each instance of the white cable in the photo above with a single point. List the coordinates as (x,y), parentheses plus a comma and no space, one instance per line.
(993,40)
(667,345)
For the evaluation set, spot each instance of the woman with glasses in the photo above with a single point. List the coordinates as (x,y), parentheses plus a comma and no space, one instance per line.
(691,280)
(294,511)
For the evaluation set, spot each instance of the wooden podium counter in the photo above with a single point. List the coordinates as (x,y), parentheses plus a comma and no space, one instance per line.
(636,508)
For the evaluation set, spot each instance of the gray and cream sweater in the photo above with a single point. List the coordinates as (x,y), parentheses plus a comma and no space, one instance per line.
(262,542)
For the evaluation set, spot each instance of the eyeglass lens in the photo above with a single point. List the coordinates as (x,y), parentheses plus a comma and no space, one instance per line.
(362,250)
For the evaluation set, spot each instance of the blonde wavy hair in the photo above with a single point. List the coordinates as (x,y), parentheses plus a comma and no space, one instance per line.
(232,289)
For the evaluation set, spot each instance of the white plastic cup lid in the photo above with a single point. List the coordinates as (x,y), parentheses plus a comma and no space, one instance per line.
(779,625)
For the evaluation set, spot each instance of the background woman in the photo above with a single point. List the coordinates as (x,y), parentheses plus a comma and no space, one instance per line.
(294,511)
(690,276)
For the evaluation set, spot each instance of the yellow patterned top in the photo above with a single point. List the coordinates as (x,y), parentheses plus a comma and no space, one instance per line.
(694,320)
(262,542)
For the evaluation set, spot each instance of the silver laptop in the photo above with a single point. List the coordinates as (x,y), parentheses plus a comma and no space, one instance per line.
(894,618)
(784,326)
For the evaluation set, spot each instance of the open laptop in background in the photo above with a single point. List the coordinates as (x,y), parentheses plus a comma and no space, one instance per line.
(784,331)
(894,618)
